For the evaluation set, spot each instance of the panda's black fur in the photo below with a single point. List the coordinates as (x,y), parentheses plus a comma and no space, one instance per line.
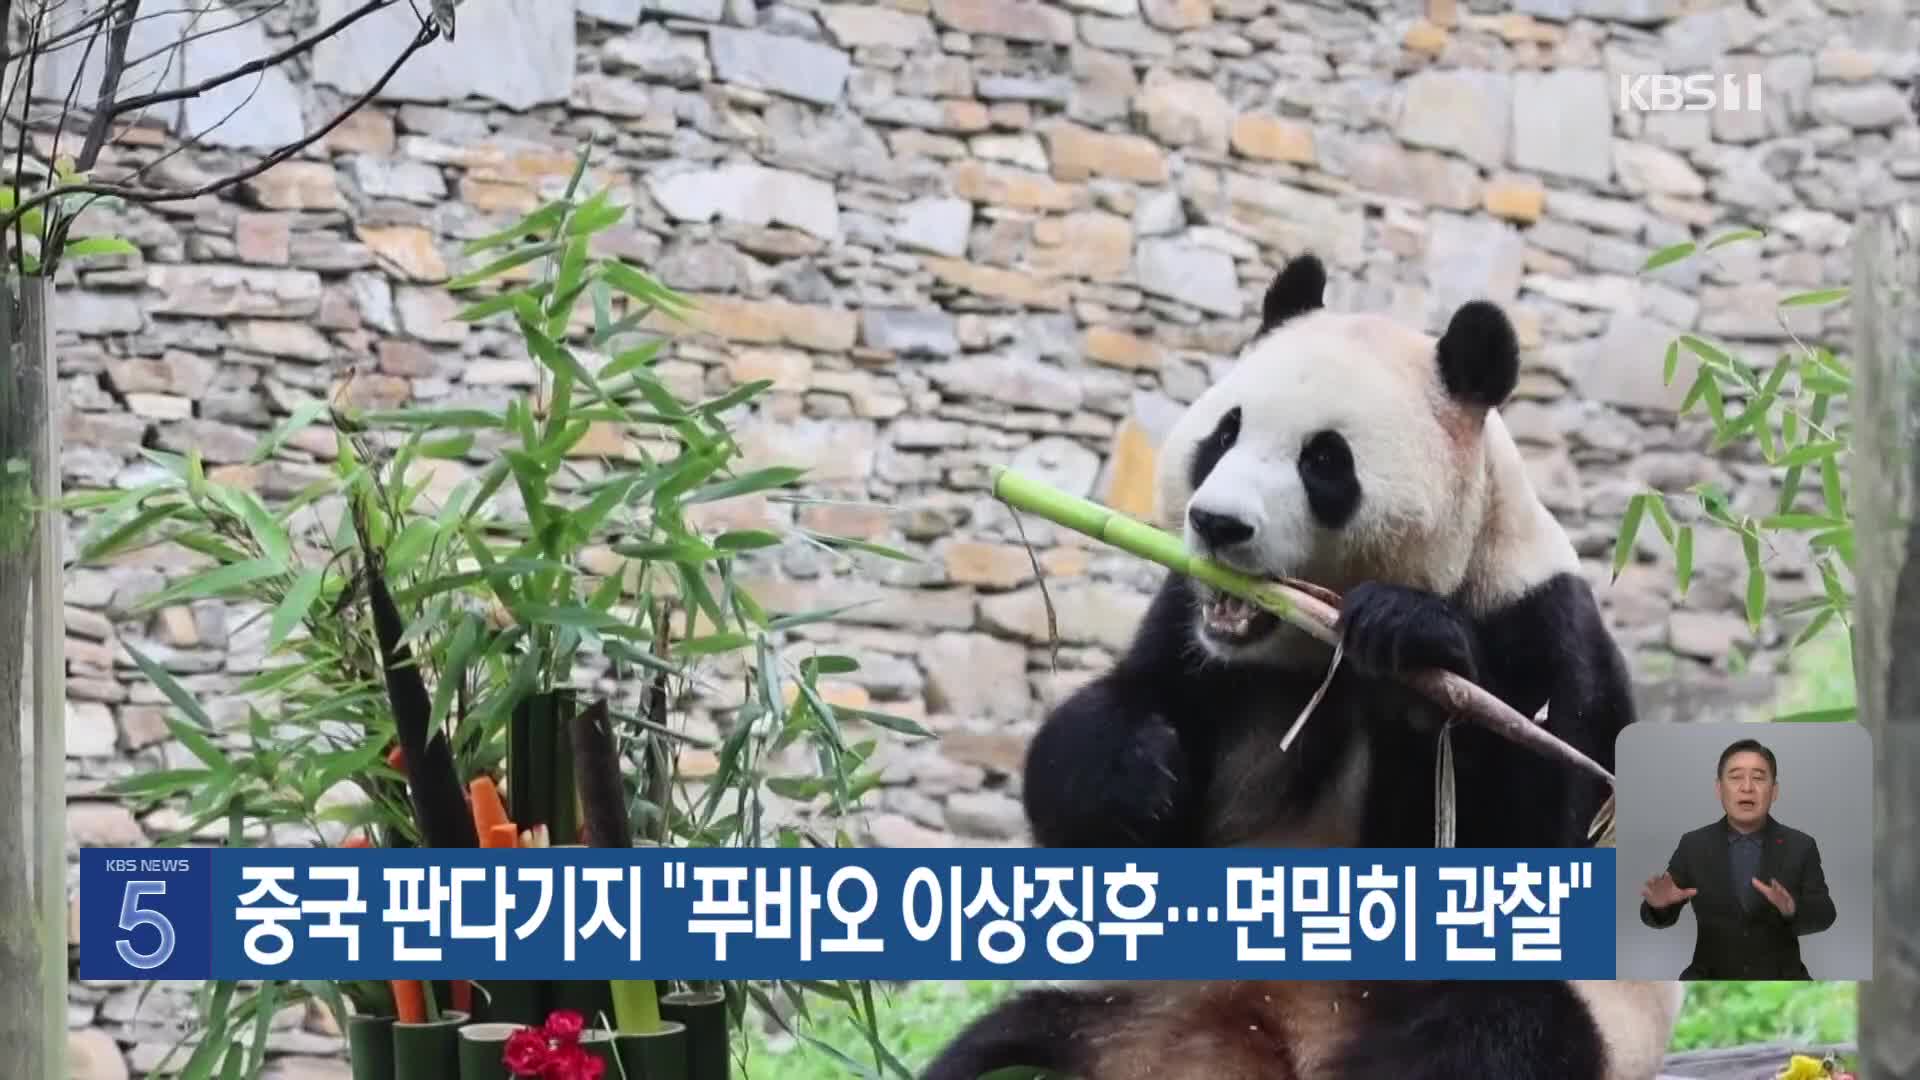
(1177,747)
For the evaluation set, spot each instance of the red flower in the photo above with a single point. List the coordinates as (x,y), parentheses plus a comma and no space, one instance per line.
(573,1062)
(526,1053)
(564,1026)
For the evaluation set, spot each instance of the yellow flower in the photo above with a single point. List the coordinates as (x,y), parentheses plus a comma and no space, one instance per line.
(1802,1067)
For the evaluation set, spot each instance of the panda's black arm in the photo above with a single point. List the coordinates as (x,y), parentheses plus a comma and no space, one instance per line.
(1043,1028)
(1550,647)
(1109,767)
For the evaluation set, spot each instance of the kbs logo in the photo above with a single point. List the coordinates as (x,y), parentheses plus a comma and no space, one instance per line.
(1690,93)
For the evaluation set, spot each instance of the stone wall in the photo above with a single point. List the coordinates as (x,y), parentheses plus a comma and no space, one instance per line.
(964,232)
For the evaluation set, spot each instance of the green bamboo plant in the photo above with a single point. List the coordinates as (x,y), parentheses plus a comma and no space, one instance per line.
(387,595)
(1792,416)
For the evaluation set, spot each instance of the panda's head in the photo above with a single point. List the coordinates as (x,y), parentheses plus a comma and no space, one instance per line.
(1340,448)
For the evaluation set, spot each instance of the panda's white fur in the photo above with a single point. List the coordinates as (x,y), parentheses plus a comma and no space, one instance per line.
(1368,458)
(1450,507)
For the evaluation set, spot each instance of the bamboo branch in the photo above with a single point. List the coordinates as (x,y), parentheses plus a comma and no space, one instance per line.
(1297,604)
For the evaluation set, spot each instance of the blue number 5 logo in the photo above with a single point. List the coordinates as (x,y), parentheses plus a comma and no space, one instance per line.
(133,916)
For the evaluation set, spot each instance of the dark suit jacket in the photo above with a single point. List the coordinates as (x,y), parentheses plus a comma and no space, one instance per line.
(1754,943)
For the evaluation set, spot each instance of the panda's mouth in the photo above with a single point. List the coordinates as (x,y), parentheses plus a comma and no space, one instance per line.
(1233,621)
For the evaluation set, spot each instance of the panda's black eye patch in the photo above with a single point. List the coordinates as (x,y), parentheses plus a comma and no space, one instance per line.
(1326,468)
(1214,447)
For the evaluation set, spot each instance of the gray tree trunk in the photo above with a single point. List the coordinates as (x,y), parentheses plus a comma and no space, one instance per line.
(33,954)
(1886,491)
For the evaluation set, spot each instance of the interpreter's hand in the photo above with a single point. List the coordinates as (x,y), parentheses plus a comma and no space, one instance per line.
(1662,892)
(1777,895)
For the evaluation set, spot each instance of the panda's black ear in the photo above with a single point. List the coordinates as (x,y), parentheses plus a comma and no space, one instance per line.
(1480,354)
(1300,287)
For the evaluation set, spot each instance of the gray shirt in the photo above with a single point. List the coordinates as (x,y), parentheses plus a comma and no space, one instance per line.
(1743,851)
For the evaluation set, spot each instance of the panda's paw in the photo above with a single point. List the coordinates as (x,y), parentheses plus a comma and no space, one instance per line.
(1393,630)
(1113,780)
(1147,784)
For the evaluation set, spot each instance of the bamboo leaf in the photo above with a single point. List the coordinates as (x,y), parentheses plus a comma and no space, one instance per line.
(806,618)
(200,746)
(159,784)
(294,606)
(459,654)
(517,301)
(1842,714)
(1671,254)
(98,245)
(219,581)
(632,360)
(737,396)
(1718,359)
(1790,486)
(828,665)
(1814,626)
(1684,558)
(868,546)
(1810,452)
(1735,237)
(434,419)
(1813,299)
(713,643)
(265,530)
(1629,527)
(301,417)
(594,215)
(746,540)
(450,449)
(643,287)
(561,361)
(212,1041)
(545,218)
(100,542)
(887,720)
(1831,487)
(684,550)
(1756,596)
(759,480)
(1657,506)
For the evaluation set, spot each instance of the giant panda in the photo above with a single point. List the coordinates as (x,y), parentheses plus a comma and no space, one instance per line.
(1357,454)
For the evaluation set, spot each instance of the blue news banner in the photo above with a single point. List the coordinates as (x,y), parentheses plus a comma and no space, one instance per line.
(784,913)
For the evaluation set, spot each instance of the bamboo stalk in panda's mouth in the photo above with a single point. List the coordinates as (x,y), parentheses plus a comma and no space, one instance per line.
(1297,605)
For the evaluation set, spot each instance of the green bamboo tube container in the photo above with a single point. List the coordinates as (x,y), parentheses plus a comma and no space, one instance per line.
(704,1013)
(660,1054)
(481,1049)
(428,1050)
(370,1047)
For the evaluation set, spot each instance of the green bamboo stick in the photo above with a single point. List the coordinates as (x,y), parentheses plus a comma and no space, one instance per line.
(1294,606)
(1117,530)
(636,1007)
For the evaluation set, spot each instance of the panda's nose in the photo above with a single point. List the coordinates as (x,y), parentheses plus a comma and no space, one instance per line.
(1219,530)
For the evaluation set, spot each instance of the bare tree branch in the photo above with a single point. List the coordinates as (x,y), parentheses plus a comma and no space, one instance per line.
(252,66)
(103,110)
(119,19)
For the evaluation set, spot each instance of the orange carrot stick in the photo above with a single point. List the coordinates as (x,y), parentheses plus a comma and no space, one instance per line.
(488,810)
(409,1001)
(503,835)
(409,997)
